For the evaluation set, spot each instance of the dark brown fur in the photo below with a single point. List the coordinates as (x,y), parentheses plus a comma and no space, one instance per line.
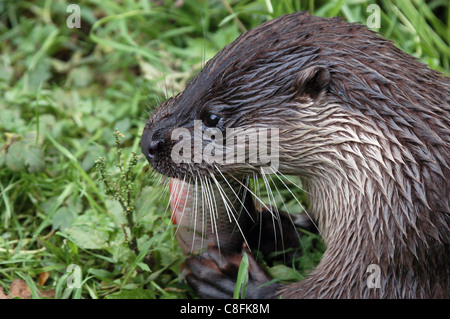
(395,118)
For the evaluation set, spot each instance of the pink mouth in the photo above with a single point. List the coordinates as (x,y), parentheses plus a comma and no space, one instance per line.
(178,198)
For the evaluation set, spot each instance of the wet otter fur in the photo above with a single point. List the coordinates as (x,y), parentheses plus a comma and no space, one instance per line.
(367,128)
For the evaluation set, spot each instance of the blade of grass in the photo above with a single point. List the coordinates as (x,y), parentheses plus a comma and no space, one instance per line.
(240,290)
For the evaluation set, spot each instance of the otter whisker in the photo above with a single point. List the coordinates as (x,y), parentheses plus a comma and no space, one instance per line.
(204,207)
(165,185)
(257,189)
(290,181)
(237,196)
(254,195)
(159,182)
(287,213)
(230,214)
(224,198)
(273,203)
(195,213)
(244,195)
(180,192)
(296,199)
(213,210)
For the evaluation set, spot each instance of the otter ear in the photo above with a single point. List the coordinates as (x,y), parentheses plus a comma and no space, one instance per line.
(312,82)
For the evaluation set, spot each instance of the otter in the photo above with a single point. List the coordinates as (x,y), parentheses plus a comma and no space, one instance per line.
(365,126)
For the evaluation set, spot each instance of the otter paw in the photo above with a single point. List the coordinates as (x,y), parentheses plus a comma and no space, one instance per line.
(213,275)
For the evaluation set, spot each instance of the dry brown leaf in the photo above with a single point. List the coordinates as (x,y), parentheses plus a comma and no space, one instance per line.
(43,276)
(19,289)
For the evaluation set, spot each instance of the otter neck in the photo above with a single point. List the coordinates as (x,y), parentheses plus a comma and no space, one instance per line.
(364,223)
(348,213)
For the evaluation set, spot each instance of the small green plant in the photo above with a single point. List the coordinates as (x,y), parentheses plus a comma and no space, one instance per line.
(120,188)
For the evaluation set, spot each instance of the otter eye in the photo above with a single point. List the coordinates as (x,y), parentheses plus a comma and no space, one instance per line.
(211,120)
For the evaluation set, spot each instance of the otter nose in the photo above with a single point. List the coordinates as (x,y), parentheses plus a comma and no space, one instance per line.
(154,147)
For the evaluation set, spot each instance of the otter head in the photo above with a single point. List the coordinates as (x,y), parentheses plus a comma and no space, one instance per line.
(238,114)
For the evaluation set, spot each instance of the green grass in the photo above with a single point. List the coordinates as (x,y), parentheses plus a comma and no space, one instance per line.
(63,92)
